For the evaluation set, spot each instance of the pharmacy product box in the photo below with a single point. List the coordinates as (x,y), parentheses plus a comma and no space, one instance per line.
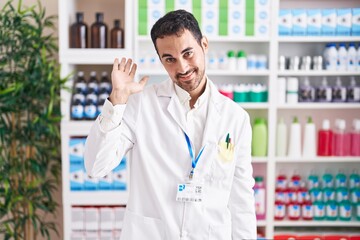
(119,217)
(184,4)
(211,4)
(344,21)
(76,150)
(105,183)
(90,183)
(210,21)
(314,22)
(119,176)
(236,22)
(77,219)
(355,27)
(329,22)
(285,22)
(91,219)
(107,219)
(299,22)
(76,176)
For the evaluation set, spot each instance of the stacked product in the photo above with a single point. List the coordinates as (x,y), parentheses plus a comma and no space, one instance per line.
(329,198)
(245,92)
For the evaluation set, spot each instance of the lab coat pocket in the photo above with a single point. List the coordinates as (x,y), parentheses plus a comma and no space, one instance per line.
(226,152)
(222,232)
(141,227)
(223,162)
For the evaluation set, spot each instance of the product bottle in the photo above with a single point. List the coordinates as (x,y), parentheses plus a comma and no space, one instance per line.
(353,91)
(331,57)
(77,109)
(295,139)
(342,57)
(105,83)
(260,203)
(340,179)
(232,61)
(339,91)
(292,90)
(80,85)
(327,179)
(341,144)
(355,138)
(325,139)
(117,35)
(309,149)
(241,61)
(281,139)
(351,64)
(212,61)
(331,211)
(281,90)
(323,92)
(307,92)
(354,179)
(99,32)
(307,210)
(93,84)
(259,139)
(313,180)
(78,32)
(357,58)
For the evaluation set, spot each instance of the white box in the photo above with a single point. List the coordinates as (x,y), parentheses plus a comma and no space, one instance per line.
(210,21)
(91,219)
(262,29)
(77,236)
(156,4)
(77,175)
(117,235)
(184,4)
(92,235)
(329,21)
(262,15)
(90,183)
(211,4)
(344,20)
(77,219)
(299,22)
(285,22)
(105,183)
(154,14)
(314,21)
(236,23)
(262,4)
(119,217)
(106,235)
(107,219)
(355,28)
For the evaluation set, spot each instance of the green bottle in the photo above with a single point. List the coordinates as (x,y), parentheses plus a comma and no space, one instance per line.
(259,138)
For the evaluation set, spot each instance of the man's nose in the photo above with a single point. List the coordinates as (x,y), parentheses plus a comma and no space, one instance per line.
(183,66)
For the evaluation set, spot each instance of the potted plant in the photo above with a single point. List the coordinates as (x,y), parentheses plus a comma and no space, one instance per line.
(30,84)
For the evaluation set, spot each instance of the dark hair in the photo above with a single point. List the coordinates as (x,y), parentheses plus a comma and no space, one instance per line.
(174,23)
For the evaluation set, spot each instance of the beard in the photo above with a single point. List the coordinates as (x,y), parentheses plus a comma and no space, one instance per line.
(193,83)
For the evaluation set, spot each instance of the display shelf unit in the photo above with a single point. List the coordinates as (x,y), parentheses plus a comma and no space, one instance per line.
(272,46)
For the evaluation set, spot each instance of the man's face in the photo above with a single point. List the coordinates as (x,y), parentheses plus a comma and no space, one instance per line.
(183,59)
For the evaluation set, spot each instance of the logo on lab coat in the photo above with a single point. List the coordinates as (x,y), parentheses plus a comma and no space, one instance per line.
(181,187)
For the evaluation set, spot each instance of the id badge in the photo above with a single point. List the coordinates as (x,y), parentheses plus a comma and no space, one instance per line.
(190,192)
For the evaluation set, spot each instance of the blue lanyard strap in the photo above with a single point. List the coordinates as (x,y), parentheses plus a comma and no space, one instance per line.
(194,161)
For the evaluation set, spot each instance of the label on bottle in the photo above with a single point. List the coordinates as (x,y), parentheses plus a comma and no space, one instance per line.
(90,111)
(294,210)
(77,111)
(345,211)
(259,201)
(331,210)
(342,194)
(355,195)
(354,181)
(319,210)
(279,211)
(316,195)
(307,211)
(329,194)
(280,196)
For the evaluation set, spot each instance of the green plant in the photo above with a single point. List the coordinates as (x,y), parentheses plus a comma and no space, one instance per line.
(30,85)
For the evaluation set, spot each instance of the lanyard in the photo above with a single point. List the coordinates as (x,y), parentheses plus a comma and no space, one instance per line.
(194,161)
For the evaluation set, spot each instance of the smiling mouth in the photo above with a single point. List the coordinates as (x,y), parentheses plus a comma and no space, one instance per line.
(186,76)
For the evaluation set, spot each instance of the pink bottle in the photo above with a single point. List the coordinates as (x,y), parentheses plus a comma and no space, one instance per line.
(341,141)
(355,138)
(260,202)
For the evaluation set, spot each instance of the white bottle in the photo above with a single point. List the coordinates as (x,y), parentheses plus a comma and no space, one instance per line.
(241,61)
(338,91)
(292,90)
(358,58)
(295,139)
(281,138)
(222,61)
(281,90)
(352,58)
(342,57)
(232,61)
(309,146)
(212,61)
(331,58)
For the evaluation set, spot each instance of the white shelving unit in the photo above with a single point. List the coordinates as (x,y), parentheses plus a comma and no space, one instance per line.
(273,46)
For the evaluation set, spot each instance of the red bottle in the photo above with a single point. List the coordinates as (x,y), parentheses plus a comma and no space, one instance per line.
(325,139)
(341,139)
(307,210)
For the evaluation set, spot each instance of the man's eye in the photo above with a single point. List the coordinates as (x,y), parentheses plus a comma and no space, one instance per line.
(188,54)
(169,60)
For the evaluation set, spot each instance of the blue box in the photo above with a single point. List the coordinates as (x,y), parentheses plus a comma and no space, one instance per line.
(90,184)
(314,22)
(329,21)
(344,19)
(355,28)
(285,22)
(299,20)
(119,176)
(76,176)
(76,150)
(105,183)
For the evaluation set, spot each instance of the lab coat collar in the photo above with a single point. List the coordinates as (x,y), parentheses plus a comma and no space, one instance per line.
(167,89)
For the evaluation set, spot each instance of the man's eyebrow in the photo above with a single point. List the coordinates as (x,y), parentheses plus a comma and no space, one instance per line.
(183,51)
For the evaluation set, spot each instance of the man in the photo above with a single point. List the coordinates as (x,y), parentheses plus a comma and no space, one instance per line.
(191,173)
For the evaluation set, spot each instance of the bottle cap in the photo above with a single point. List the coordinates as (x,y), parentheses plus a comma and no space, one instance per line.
(309,120)
(231,54)
(80,74)
(295,120)
(342,45)
(341,124)
(351,44)
(241,54)
(79,16)
(117,22)
(99,16)
(104,74)
(260,121)
(356,124)
(338,82)
(326,124)
(93,73)
(259,179)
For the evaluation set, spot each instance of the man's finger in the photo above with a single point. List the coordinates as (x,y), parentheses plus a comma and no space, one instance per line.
(116,64)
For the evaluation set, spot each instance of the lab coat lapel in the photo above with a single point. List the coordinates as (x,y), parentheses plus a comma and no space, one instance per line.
(213,116)
(166,89)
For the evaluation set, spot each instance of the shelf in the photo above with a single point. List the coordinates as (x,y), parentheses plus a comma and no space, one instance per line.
(318,73)
(317,223)
(93,56)
(260,159)
(254,105)
(160,71)
(324,39)
(317,159)
(98,198)
(76,128)
(320,106)
(227,39)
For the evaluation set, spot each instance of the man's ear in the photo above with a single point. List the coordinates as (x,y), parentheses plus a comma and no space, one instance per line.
(204,44)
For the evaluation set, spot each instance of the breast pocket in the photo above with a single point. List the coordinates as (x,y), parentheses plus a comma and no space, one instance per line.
(140,227)
(223,161)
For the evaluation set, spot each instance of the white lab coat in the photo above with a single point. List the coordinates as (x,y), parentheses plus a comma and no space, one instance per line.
(153,127)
